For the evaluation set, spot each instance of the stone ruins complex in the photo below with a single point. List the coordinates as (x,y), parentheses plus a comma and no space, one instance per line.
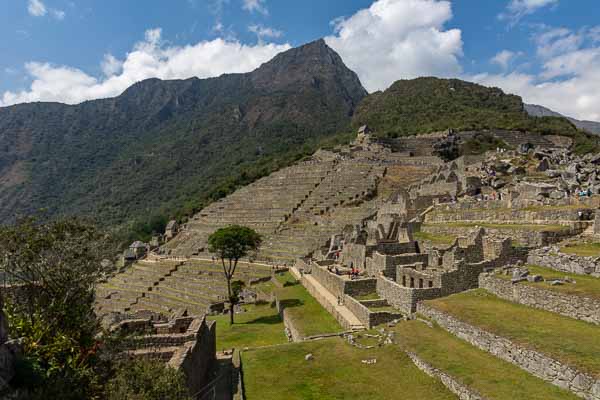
(380,226)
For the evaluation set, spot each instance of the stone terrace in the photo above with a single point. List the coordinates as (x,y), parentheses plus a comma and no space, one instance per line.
(169,286)
(299,207)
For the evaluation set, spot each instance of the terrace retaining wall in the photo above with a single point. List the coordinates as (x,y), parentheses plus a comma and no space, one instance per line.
(538,364)
(552,258)
(463,392)
(572,306)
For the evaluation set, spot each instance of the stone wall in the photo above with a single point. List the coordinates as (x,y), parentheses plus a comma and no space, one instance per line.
(521,237)
(197,358)
(531,361)
(340,285)
(569,263)
(463,392)
(367,317)
(403,298)
(583,308)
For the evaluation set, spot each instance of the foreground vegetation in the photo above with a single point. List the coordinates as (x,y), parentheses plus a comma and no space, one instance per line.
(65,353)
(568,340)
(491,377)
(335,372)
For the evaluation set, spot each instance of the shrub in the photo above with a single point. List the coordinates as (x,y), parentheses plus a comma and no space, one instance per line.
(147,380)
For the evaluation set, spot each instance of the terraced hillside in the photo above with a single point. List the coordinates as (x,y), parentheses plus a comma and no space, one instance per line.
(298,208)
(168,286)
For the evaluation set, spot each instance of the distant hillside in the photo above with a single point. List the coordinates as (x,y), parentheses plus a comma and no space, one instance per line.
(164,146)
(540,111)
(426,105)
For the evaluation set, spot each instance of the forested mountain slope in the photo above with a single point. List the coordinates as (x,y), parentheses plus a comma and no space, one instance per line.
(162,146)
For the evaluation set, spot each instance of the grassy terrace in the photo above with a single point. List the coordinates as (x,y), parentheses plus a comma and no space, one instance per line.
(491,377)
(259,326)
(583,249)
(568,340)
(585,286)
(509,210)
(514,227)
(438,239)
(310,318)
(336,372)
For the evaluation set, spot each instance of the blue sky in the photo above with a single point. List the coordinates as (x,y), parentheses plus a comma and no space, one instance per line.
(73,50)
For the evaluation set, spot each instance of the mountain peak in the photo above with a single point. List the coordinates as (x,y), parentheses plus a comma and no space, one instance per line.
(314,62)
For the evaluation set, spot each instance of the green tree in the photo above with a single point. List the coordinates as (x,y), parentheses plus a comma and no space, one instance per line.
(54,268)
(231,244)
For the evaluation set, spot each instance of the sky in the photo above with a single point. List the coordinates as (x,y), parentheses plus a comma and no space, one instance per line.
(547,51)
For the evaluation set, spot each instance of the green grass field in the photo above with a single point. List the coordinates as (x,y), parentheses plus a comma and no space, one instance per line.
(435,238)
(585,286)
(310,318)
(259,326)
(336,372)
(570,341)
(583,249)
(491,377)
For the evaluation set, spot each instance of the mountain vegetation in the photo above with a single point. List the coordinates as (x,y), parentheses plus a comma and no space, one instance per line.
(166,148)
(540,111)
(426,105)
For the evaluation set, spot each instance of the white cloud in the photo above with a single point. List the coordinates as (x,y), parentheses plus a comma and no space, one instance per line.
(395,39)
(58,14)
(569,79)
(517,9)
(504,58)
(256,5)
(110,65)
(36,8)
(262,32)
(148,59)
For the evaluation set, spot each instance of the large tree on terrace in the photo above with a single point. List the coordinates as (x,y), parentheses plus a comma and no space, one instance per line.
(231,244)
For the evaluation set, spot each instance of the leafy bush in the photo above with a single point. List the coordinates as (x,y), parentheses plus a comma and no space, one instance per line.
(55,267)
(147,380)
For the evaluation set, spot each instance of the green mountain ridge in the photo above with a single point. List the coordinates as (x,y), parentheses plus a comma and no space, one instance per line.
(428,104)
(165,145)
(165,149)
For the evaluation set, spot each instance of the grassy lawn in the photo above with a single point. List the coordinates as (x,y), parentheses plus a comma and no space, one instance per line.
(585,286)
(265,287)
(370,296)
(259,326)
(310,318)
(285,278)
(514,227)
(568,340)
(336,372)
(583,249)
(491,377)
(435,238)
